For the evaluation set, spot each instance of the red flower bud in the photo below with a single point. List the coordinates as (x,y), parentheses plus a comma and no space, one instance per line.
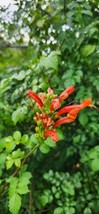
(55,104)
(66,93)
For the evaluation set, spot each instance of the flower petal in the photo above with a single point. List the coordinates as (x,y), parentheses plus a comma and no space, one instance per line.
(86,102)
(67,109)
(73,113)
(50,91)
(34,96)
(55,104)
(63,120)
(52,134)
(66,93)
(71,116)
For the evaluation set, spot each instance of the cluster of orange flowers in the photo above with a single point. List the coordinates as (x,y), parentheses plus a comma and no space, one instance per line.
(49,112)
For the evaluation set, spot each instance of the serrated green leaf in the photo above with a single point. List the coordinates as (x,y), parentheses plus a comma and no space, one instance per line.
(51,61)
(24,180)
(13,185)
(22,189)
(14,203)
(44,148)
(17,136)
(19,114)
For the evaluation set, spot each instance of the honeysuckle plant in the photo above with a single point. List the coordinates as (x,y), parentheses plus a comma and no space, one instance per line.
(51,115)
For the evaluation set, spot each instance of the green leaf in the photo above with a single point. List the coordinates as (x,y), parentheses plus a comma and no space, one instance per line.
(88,49)
(17,136)
(9,139)
(87,12)
(83,119)
(44,148)
(14,203)
(17,154)
(60,134)
(22,189)
(51,61)
(50,142)
(44,200)
(2,159)
(69,210)
(87,211)
(19,114)
(10,146)
(13,185)
(33,139)
(95,164)
(9,163)
(59,210)
(24,180)
(19,76)
(94,153)
(17,162)
(2,143)
(24,138)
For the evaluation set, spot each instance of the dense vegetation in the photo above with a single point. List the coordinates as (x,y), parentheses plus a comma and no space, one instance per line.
(49,44)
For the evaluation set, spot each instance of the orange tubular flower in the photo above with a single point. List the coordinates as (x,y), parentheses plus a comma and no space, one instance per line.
(55,104)
(71,116)
(52,134)
(67,109)
(86,102)
(34,96)
(66,93)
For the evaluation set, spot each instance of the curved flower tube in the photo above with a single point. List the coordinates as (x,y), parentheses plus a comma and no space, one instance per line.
(34,96)
(67,109)
(71,116)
